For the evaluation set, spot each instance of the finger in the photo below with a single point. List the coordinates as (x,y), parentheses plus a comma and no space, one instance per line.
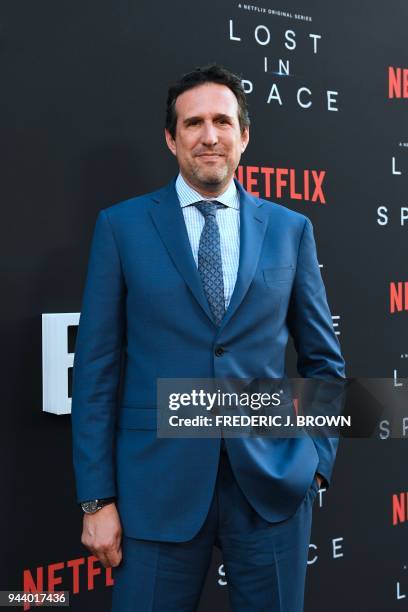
(109,555)
(114,556)
(103,558)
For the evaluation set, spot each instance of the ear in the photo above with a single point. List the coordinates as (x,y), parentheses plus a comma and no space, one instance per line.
(244,139)
(171,143)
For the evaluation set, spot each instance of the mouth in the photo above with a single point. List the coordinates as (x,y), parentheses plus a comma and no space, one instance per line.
(210,156)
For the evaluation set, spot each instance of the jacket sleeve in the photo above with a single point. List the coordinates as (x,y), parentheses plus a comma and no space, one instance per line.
(311,326)
(97,364)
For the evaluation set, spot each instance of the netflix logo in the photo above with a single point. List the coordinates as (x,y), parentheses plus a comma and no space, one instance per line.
(70,576)
(277,183)
(398,296)
(397,82)
(399,508)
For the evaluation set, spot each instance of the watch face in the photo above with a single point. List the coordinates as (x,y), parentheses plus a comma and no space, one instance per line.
(90,506)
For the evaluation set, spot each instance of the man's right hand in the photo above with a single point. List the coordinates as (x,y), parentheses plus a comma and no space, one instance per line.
(102,535)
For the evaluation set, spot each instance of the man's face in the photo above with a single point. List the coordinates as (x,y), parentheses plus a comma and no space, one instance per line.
(208,143)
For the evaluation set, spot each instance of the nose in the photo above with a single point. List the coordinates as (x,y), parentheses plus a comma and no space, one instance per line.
(209,135)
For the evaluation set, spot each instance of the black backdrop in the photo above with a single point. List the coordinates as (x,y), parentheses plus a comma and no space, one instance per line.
(83,87)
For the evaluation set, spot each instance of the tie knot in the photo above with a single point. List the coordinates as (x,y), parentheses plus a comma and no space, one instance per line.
(208,208)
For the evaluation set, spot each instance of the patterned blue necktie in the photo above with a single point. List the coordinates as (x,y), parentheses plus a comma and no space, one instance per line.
(209,259)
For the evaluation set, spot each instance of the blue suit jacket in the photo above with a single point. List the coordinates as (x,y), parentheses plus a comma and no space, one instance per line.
(144,306)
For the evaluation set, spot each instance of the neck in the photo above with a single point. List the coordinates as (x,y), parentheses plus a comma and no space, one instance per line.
(208,191)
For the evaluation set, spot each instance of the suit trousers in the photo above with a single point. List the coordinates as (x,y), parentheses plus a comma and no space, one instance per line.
(265,563)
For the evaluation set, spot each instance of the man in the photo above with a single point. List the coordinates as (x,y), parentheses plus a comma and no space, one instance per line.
(198,280)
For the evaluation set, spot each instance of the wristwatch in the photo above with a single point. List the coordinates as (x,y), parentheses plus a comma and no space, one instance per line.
(92,506)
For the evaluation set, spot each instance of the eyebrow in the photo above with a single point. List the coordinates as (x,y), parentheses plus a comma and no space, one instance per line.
(197,118)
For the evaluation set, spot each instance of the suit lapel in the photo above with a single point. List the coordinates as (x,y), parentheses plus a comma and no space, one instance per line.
(253,224)
(168,218)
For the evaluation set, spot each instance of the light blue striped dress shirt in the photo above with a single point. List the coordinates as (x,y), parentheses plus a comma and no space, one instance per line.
(228,224)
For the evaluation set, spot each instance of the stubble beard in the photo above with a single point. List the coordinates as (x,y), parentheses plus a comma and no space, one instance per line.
(212,178)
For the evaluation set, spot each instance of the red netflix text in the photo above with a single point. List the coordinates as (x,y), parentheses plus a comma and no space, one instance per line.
(397,82)
(398,296)
(67,576)
(277,183)
(399,508)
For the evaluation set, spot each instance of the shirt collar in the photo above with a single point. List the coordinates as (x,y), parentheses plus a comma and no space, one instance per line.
(187,195)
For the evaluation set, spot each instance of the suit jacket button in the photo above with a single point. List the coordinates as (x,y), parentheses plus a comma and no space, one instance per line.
(219,351)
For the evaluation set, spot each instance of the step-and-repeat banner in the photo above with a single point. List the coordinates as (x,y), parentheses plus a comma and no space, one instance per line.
(82,113)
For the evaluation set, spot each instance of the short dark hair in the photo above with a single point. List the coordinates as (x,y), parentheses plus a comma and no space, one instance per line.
(212,73)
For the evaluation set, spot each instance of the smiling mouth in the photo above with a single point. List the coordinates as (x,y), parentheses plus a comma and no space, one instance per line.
(210,155)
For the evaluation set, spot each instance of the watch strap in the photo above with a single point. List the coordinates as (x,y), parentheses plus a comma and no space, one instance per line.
(93,505)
